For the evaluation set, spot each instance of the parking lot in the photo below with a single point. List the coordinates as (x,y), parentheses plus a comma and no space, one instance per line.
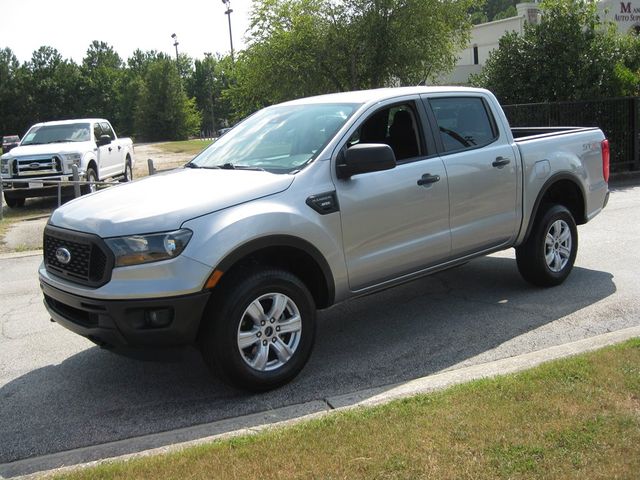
(60,392)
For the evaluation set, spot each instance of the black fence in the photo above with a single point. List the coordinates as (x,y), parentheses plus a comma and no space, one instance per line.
(619,119)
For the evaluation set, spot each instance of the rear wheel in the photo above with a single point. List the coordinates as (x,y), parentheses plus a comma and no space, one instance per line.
(259,330)
(547,257)
(13,202)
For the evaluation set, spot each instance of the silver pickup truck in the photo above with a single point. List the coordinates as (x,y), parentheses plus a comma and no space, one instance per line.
(309,203)
(49,150)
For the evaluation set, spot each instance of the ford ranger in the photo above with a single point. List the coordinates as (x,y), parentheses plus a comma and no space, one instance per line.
(309,203)
(49,150)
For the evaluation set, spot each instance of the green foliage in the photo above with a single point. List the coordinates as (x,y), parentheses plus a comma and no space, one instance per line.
(100,82)
(164,111)
(570,55)
(205,85)
(9,96)
(493,10)
(305,47)
(145,96)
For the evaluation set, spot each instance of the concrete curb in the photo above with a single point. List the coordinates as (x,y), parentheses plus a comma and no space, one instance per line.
(175,440)
(29,253)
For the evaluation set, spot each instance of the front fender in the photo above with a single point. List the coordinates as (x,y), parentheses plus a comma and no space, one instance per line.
(220,237)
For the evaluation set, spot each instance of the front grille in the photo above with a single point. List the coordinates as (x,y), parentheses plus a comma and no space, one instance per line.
(37,165)
(90,261)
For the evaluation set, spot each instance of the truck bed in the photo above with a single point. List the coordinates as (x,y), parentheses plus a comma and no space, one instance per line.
(529,133)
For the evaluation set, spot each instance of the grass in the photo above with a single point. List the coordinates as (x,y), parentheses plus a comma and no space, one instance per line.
(190,147)
(574,418)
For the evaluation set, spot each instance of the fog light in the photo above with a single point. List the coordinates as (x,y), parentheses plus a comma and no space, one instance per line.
(159,318)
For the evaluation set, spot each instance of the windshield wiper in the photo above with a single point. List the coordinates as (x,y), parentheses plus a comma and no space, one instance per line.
(192,165)
(61,141)
(231,166)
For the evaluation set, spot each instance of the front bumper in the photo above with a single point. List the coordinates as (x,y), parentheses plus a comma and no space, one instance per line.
(128,323)
(37,187)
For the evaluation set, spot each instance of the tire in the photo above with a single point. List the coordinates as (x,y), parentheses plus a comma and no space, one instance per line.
(128,172)
(243,341)
(547,256)
(13,202)
(91,176)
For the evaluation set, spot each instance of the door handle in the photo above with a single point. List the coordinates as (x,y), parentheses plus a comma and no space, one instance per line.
(110,149)
(427,179)
(119,147)
(501,162)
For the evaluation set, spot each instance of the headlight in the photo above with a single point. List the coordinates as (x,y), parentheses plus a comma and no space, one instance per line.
(72,157)
(137,249)
(4,165)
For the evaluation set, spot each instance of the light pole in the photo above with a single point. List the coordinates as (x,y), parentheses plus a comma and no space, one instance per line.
(175,44)
(228,14)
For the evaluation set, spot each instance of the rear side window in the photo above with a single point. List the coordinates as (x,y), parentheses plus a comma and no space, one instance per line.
(463,122)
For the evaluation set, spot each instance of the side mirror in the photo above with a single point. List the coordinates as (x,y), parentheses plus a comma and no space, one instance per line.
(365,158)
(103,140)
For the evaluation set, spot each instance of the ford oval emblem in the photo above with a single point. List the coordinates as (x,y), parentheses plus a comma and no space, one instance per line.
(63,255)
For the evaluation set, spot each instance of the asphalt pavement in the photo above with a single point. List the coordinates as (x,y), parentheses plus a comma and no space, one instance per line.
(59,392)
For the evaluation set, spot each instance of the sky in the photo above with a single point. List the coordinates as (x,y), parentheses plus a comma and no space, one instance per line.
(71,25)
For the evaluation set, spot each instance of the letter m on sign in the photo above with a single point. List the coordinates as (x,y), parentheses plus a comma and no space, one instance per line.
(625,8)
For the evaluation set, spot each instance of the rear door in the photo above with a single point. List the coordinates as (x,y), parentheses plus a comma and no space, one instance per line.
(482,170)
(391,225)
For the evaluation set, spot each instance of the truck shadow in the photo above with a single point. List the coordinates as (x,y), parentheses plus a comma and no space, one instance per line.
(475,313)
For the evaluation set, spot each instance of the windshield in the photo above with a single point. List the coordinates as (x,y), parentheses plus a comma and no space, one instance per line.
(71,132)
(278,139)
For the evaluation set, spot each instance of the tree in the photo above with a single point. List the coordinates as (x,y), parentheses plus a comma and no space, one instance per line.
(101,73)
(570,55)
(164,111)
(305,47)
(10,101)
(206,84)
(48,87)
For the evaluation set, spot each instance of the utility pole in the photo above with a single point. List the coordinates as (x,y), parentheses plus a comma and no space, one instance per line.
(228,14)
(175,44)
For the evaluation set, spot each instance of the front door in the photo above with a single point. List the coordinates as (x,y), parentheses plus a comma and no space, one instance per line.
(391,225)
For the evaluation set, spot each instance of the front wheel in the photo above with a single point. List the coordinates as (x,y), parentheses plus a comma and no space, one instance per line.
(13,202)
(92,177)
(547,257)
(259,330)
(127,175)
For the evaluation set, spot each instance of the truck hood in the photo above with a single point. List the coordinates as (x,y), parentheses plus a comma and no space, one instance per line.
(163,202)
(52,148)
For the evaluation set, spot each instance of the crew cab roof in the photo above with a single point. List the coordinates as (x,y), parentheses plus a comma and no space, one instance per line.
(379,94)
(68,122)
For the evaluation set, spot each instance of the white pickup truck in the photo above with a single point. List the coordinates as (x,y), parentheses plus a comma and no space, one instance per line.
(48,151)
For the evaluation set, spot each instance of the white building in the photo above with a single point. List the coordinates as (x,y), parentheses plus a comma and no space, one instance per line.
(485,36)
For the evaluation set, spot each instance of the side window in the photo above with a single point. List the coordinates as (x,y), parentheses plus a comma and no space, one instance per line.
(396,126)
(107,130)
(97,131)
(463,122)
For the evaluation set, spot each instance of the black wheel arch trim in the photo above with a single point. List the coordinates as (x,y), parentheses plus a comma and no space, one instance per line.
(543,191)
(256,245)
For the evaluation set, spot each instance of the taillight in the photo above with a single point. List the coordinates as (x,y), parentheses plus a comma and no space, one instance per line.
(605,159)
